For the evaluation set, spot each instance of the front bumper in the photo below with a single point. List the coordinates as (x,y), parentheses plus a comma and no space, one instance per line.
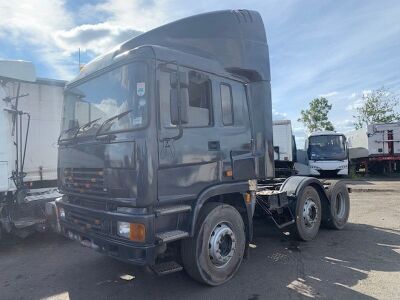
(328,173)
(97,229)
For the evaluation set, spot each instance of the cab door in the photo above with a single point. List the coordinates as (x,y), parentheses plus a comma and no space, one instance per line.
(233,127)
(191,160)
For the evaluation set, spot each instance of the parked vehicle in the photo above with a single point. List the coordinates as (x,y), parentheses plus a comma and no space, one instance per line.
(327,154)
(30,116)
(375,149)
(285,151)
(166,151)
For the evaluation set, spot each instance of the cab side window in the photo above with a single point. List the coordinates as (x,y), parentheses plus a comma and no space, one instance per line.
(226,104)
(199,107)
(233,104)
(199,110)
(240,110)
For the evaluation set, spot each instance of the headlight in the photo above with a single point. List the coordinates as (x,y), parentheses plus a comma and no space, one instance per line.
(124,229)
(61,213)
(133,231)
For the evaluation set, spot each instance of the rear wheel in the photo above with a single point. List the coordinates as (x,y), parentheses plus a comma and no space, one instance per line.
(308,214)
(216,251)
(339,208)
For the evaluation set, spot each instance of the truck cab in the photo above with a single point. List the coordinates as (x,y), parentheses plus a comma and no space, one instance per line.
(327,154)
(163,143)
(155,129)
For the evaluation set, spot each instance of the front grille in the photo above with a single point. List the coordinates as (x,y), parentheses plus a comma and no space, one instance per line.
(98,204)
(328,173)
(88,222)
(85,180)
(90,203)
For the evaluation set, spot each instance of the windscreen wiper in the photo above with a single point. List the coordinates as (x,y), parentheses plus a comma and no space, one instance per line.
(77,128)
(66,131)
(118,116)
(85,126)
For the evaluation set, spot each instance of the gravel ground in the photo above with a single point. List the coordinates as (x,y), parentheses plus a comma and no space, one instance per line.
(360,262)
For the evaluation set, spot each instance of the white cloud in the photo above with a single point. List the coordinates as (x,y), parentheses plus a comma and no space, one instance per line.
(355,101)
(138,14)
(31,24)
(328,95)
(50,31)
(344,126)
(352,106)
(366,92)
(96,38)
(276,115)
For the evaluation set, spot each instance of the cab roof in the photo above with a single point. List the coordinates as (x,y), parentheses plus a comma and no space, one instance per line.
(229,42)
(316,133)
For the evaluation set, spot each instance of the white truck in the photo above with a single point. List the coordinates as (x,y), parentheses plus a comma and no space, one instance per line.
(30,116)
(284,148)
(327,154)
(375,149)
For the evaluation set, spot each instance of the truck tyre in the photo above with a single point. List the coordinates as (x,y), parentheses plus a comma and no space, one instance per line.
(339,208)
(308,214)
(216,251)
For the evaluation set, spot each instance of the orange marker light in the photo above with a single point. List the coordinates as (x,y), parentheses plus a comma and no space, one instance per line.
(228,173)
(247,197)
(137,232)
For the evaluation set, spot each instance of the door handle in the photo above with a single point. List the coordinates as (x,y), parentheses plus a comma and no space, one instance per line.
(214,145)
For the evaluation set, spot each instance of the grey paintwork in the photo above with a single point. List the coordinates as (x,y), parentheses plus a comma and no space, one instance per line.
(225,46)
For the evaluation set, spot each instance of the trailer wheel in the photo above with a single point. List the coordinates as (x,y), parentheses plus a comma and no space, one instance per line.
(339,208)
(216,251)
(308,214)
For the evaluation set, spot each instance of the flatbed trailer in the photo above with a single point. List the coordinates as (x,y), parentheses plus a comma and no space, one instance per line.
(166,152)
(376,149)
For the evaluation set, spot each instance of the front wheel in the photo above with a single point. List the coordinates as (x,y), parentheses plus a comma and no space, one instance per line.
(308,214)
(215,253)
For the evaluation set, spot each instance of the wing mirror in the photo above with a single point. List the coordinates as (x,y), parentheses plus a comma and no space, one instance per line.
(179,98)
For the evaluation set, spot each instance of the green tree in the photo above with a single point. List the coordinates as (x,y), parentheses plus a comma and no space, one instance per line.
(316,117)
(377,107)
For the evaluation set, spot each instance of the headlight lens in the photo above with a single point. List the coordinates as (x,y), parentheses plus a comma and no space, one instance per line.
(61,213)
(133,231)
(124,229)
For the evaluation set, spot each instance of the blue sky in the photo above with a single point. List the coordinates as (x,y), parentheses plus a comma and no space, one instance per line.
(336,49)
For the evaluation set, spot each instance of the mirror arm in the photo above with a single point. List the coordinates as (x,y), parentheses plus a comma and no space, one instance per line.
(180,127)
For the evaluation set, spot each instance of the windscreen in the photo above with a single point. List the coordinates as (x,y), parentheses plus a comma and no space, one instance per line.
(327,147)
(114,101)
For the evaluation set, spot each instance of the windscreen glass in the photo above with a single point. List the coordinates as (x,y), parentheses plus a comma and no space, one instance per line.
(114,101)
(327,147)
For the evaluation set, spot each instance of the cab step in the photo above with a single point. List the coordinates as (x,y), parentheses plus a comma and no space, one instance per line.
(173,209)
(170,236)
(166,268)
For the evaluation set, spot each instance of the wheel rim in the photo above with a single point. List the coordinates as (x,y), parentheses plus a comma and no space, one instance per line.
(221,245)
(340,206)
(310,213)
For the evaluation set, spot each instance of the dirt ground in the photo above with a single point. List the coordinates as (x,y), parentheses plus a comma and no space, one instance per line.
(360,262)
